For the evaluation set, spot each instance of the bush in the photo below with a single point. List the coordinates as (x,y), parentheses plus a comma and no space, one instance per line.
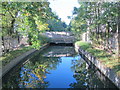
(43,39)
(83,45)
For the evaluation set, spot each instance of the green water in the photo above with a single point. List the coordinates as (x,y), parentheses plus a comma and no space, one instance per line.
(56,67)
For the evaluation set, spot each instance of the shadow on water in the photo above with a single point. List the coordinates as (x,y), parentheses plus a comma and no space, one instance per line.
(56,67)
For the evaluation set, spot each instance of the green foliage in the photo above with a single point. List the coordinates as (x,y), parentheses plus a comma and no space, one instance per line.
(101,20)
(28,19)
(43,39)
(56,25)
(83,45)
(93,16)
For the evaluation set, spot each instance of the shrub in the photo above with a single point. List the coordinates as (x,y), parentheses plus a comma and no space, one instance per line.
(83,45)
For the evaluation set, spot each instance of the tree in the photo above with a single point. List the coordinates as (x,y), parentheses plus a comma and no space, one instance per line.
(26,18)
(100,19)
(56,25)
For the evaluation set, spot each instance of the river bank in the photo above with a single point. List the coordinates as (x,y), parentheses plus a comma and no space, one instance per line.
(107,71)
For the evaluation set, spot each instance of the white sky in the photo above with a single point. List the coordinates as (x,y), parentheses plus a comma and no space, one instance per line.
(63,8)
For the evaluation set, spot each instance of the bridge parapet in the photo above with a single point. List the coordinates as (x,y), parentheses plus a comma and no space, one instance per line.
(60,37)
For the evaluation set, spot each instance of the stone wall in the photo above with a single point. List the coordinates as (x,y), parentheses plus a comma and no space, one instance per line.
(11,43)
(105,70)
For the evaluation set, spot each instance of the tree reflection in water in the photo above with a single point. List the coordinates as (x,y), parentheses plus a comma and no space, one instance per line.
(87,77)
(33,73)
(56,66)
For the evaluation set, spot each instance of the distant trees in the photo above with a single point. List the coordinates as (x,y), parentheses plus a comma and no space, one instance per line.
(56,25)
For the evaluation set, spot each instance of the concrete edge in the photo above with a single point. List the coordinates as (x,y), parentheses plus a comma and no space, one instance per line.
(109,73)
(17,60)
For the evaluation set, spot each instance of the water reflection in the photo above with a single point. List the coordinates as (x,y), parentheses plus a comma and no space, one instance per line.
(32,74)
(85,76)
(59,51)
(55,67)
(88,76)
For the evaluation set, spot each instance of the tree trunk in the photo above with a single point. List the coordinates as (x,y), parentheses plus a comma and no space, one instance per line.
(98,25)
(3,44)
(118,32)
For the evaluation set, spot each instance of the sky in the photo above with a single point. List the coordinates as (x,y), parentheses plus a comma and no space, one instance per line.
(63,8)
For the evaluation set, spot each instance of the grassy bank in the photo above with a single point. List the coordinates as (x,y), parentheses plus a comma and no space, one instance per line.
(6,58)
(103,56)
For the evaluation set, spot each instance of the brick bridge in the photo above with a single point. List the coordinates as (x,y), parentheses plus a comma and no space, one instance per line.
(60,37)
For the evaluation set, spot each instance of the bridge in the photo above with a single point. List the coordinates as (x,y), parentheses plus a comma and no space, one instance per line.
(60,37)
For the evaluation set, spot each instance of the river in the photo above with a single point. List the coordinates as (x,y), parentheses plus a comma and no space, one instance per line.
(56,67)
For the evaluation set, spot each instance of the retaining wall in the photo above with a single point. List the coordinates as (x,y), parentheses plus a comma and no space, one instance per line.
(105,70)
